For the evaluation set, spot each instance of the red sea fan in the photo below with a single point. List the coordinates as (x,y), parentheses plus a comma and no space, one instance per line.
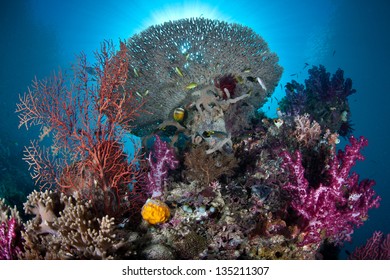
(87,152)
(376,248)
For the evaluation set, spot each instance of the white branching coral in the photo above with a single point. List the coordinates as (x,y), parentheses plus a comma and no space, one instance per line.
(306,132)
(7,213)
(66,227)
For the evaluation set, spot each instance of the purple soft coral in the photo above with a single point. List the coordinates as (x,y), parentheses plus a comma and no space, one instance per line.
(320,83)
(9,247)
(339,204)
(161,159)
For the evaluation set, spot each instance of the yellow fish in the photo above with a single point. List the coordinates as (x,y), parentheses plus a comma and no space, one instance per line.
(136,72)
(178,114)
(178,71)
(191,86)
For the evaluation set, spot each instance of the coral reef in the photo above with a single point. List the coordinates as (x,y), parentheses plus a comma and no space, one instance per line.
(213,178)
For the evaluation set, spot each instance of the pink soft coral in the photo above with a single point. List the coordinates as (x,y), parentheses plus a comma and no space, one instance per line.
(161,159)
(10,245)
(339,203)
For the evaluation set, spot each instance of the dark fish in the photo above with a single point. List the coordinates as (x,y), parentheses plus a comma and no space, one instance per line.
(90,70)
(306,64)
(251,79)
(334,52)
(293,75)
(261,191)
(210,133)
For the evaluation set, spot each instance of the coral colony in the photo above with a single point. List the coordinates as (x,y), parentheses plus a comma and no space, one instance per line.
(214,178)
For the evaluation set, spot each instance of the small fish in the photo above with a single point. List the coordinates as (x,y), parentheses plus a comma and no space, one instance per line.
(139,94)
(278,122)
(136,72)
(246,70)
(292,75)
(279,113)
(191,85)
(239,79)
(334,52)
(214,133)
(306,64)
(261,84)
(146,92)
(178,114)
(90,70)
(251,79)
(187,56)
(178,71)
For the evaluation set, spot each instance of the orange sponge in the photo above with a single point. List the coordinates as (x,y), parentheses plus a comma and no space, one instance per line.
(155,212)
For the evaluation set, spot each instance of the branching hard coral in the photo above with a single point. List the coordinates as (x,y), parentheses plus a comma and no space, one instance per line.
(169,62)
(338,204)
(88,151)
(66,227)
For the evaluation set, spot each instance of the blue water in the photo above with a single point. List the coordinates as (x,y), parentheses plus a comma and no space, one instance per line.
(38,37)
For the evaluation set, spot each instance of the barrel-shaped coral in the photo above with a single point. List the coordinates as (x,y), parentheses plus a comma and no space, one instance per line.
(155,212)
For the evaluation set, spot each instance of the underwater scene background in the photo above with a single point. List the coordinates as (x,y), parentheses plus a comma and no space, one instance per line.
(235,181)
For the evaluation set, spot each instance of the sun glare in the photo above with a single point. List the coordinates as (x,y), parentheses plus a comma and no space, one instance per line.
(177,11)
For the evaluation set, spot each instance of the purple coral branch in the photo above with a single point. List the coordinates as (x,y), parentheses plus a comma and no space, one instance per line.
(339,203)
(161,160)
(8,235)
(376,248)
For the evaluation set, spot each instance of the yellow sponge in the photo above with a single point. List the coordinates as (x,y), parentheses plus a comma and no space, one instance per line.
(155,212)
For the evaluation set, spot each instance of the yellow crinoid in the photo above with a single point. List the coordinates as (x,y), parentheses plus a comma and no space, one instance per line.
(155,212)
